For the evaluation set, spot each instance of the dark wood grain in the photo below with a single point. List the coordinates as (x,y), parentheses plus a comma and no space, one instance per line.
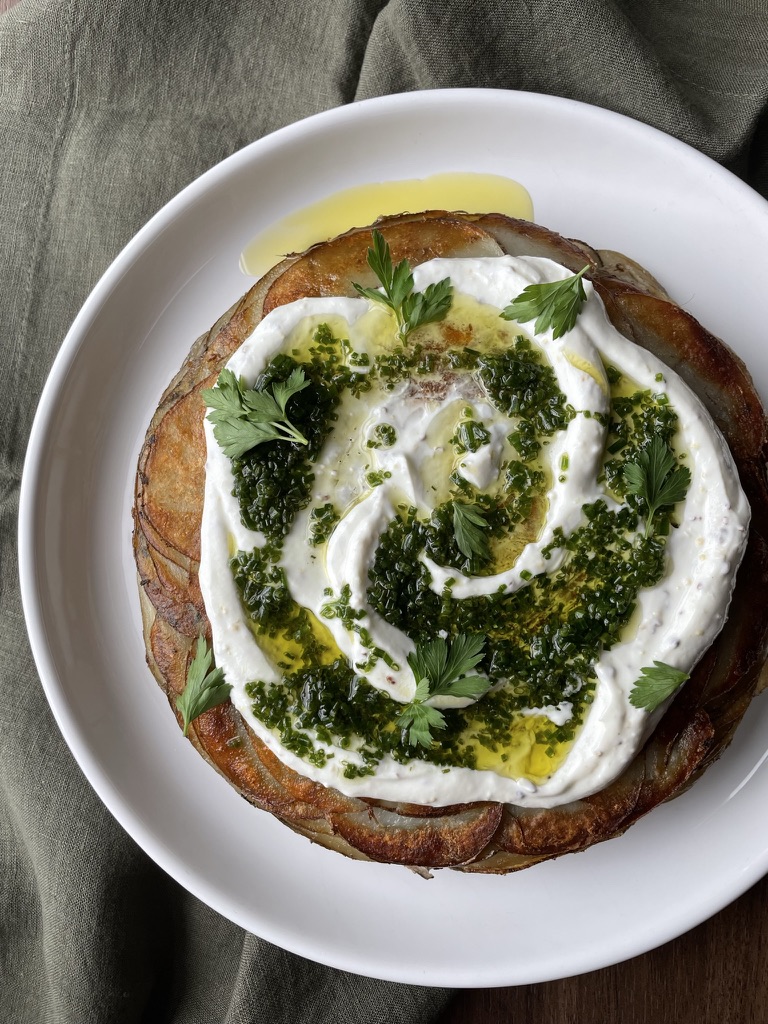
(715,973)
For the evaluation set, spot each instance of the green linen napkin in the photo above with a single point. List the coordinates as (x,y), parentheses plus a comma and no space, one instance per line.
(107,109)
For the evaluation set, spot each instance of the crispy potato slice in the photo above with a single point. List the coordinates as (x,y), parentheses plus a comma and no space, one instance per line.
(490,838)
(331,267)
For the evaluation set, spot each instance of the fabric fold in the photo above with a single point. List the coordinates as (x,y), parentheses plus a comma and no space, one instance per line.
(107,109)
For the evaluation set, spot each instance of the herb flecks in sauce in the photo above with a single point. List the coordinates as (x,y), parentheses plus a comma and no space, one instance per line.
(322,520)
(470,435)
(541,641)
(521,385)
(384,436)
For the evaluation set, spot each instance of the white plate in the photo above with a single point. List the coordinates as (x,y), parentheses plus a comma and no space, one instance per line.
(592,174)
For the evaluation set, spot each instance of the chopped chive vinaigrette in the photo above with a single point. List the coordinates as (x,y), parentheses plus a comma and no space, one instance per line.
(542,641)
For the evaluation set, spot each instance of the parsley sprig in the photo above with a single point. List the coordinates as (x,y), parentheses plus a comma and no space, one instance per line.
(657,478)
(412,309)
(440,670)
(554,304)
(655,685)
(470,528)
(205,687)
(243,417)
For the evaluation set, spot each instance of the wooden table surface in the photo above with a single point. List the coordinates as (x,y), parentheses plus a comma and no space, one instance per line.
(715,974)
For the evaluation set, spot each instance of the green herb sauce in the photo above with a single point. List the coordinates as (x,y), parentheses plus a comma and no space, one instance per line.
(542,641)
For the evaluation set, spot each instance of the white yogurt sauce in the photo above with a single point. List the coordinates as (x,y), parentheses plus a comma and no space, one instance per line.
(678,618)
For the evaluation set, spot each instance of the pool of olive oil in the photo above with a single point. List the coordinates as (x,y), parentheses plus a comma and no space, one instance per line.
(363,204)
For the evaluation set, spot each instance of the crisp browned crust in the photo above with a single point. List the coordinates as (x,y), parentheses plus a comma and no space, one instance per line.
(480,837)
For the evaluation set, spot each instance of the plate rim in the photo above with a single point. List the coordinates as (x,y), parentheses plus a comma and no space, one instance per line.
(31,483)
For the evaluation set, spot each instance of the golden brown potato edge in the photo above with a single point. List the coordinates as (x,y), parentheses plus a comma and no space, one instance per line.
(481,837)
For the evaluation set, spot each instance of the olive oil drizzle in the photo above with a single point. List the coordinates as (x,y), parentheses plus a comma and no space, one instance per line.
(363,204)
(542,640)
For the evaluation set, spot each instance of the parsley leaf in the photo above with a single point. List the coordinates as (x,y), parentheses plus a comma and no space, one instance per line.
(554,304)
(469,526)
(243,417)
(205,687)
(439,671)
(418,720)
(655,685)
(657,478)
(411,309)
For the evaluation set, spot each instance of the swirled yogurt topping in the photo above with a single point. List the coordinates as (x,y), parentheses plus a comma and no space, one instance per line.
(323,575)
